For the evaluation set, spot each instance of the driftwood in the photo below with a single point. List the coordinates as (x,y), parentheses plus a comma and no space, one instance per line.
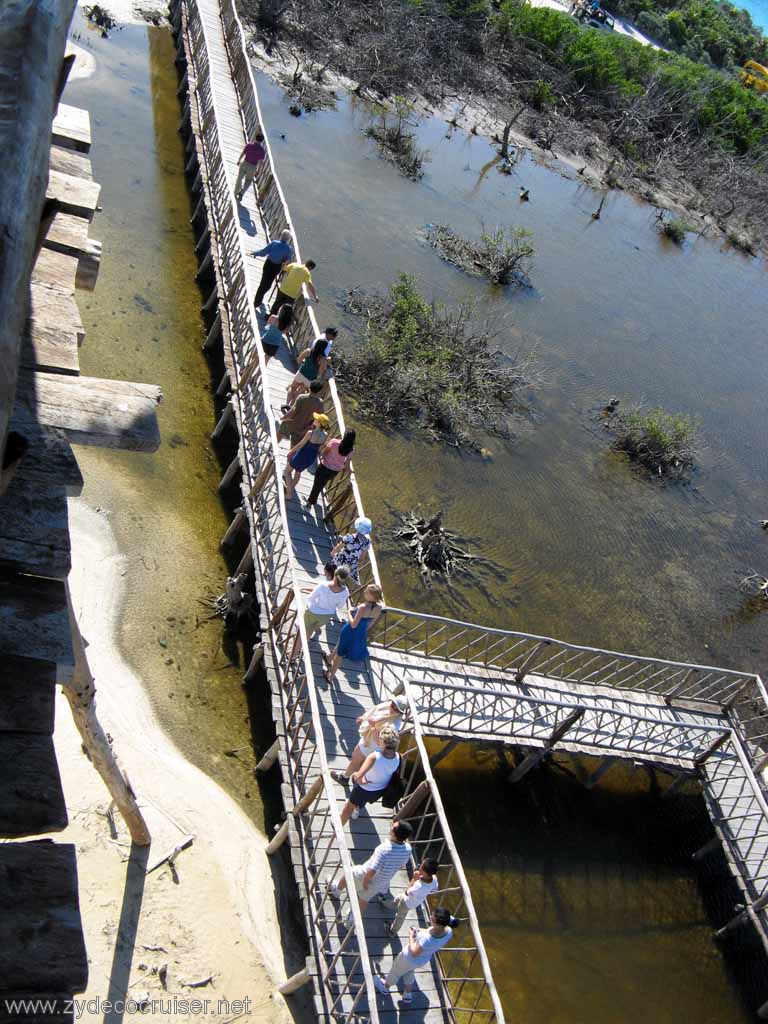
(434,548)
(235,604)
(31,53)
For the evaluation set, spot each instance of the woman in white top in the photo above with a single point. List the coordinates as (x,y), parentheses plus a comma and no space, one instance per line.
(374,775)
(422,885)
(370,724)
(423,943)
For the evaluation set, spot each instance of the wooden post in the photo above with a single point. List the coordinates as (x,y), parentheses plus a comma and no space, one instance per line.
(211,301)
(214,335)
(449,746)
(294,982)
(246,562)
(723,738)
(413,801)
(234,528)
(263,476)
(191,164)
(269,758)
(528,661)
(204,238)
(280,612)
(537,755)
(230,474)
(309,798)
(224,420)
(205,266)
(81,694)
(605,766)
(709,847)
(256,659)
(223,387)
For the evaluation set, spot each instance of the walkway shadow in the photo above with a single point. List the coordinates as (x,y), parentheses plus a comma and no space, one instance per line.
(125,940)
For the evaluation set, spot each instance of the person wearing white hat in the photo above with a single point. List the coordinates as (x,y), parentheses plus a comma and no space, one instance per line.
(351,546)
(370,724)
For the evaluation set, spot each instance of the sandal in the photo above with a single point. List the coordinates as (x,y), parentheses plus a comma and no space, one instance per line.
(340,777)
(328,677)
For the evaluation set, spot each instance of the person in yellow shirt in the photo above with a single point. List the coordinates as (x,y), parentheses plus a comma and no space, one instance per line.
(295,275)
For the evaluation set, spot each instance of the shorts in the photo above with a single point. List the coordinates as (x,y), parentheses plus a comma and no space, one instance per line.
(299,378)
(371,891)
(367,748)
(360,797)
(314,622)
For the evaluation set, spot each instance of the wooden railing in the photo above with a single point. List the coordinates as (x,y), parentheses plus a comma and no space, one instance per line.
(463,970)
(616,728)
(311,787)
(519,654)
(342,493)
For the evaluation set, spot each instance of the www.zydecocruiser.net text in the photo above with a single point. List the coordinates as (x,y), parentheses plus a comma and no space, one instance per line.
(161,1006)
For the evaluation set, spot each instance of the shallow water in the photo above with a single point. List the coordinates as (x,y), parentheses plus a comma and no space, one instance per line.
(142,323)
(592,553)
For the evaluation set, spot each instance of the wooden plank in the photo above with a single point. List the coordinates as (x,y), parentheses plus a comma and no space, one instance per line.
(71,128)
(34,621)
(53,332)
(56,270)
(68,234)
(27,693)
(41,935)
(49,459)
(34,529)
(69,161)
(75,195)
(31,797)
(108,413)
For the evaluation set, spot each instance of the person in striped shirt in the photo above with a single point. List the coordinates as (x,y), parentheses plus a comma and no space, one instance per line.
(373,877)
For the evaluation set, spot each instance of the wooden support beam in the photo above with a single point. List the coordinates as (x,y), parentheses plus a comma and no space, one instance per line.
(295,982)
(231,472)
(205,267)
(204,239)
(715,745)
(246,562)
(263,476)
(537,755)
(306,801)
(89,410)
(605,766)
(281,610)
(235,527)
(75,195)
(210,302)
(213,337)
(224,385)
(69,161)
(413,801)
(744,914)
(256,661)
(444,752)
(269,757)
(69,235)
(71,128)
(707,848)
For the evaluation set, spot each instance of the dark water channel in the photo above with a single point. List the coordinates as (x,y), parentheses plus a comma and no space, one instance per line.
(588,912)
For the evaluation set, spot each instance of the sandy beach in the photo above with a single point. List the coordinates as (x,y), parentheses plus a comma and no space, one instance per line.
(213,916)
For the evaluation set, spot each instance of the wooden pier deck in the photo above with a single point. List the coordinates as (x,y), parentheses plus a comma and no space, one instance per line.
(461,681)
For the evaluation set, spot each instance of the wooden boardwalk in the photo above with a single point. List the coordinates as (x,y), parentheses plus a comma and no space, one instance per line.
(462,682)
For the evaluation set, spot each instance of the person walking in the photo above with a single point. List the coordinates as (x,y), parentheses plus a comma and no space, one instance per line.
(334,456)
(423,883)
(374,774)
(369,726)
(312,366)
(324,600)
(353,639)
(300,417)
(373,877)
(352,546)
(278,252)
(274,335)
(248,164)
(296,275)
(423,943)
(304,454)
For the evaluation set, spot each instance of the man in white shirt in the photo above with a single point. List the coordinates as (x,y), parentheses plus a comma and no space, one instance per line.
(423,884)
(324,600)
(373,877)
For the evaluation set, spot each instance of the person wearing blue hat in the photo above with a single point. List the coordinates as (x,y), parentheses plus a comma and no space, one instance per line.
(351,546)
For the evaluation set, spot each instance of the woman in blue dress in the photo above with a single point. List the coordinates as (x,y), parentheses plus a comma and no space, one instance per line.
(353,639)
(304,454)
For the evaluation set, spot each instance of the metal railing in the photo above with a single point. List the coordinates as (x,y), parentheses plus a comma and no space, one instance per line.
(463,969)
(341,985)
(342,494)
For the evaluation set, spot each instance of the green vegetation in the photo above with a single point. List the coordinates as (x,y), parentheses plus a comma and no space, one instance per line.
(426,366)
(503,256)
(617,70)
(707,31)
(662,442)
(395,140)
(675,230)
